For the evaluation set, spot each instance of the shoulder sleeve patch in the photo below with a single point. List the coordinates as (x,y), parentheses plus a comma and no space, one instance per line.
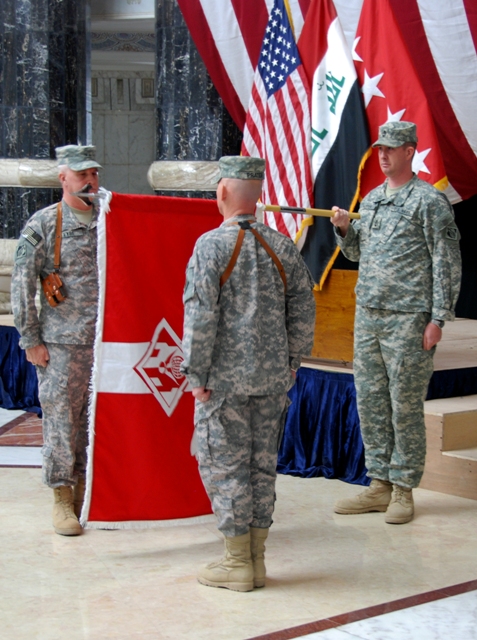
(452,233)
(31,235)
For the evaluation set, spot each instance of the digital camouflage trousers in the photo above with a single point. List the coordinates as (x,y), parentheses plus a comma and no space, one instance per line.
(392,373)
(238,439)
(64,395)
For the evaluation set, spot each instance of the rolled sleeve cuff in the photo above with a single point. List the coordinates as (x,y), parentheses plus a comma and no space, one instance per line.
(29,342)
(445,315)
(295,362)
(197,380)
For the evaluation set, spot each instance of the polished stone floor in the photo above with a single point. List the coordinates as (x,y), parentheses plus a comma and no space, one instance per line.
(322,567)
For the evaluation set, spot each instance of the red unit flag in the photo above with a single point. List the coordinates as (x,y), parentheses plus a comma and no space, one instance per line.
(141,469)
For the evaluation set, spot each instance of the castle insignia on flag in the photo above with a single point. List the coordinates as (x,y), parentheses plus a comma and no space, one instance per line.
(160,367)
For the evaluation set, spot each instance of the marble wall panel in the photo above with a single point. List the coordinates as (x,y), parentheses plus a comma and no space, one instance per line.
(120,94)
(137,101)
(7,14)
(191,120)
(43,91)
(115,177)
(141,142)
(56,46)
(123,132)
(17,205)
(98,136)
(25,130)
(102,100)
(116,140)
(138,183)
(10,132)
(40,142)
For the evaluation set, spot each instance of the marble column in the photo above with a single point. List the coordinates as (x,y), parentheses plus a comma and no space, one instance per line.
(192,123)
(44,101)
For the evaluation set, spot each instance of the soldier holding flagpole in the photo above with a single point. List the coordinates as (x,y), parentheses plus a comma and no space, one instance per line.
(407,244)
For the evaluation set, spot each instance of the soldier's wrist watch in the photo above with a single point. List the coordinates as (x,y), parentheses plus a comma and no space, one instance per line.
(438,323)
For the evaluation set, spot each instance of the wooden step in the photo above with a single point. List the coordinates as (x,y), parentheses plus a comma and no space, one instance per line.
(451,461)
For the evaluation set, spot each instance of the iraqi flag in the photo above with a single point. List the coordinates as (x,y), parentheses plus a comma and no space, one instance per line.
(338,130)
(392,91)
(141,467)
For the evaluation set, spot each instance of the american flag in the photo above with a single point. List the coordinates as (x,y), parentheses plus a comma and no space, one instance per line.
(277,126)
(229,34)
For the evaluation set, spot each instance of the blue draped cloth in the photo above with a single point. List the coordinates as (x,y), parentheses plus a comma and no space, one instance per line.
(18,381)
(322,435)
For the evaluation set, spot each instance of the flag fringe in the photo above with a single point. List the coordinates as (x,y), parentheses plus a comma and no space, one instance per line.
(149,524)
(101,263)
(305,223)
(365,157)
(442,184)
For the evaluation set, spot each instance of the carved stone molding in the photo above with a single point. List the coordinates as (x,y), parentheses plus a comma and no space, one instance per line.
(183,175)
(26,172)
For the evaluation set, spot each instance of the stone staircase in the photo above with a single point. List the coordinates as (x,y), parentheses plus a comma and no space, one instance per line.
(451,462)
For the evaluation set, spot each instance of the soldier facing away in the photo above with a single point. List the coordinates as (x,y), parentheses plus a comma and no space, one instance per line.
(249,317)
(59,340)
(407,244)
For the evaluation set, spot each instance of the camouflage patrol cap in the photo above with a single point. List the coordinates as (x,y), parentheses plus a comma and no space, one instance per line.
(394,134)
(241,168)
(76,157)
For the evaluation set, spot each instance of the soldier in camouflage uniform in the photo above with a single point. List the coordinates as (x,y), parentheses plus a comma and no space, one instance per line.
(247,323)
(59,340)
(407,244)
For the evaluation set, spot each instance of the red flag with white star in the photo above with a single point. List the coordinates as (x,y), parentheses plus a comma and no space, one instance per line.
(141,464)
(392,91)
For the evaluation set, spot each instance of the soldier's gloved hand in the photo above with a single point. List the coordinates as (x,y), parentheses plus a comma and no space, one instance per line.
(38,355)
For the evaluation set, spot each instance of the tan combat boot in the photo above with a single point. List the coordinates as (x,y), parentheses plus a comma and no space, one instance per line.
(401,507)
(257,549)
(376,497)
(64,520)
(78,493)
(235,570)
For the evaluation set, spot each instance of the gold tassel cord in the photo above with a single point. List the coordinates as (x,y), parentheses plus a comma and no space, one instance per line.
(323,213)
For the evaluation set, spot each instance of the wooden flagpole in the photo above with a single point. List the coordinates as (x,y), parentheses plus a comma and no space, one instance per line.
(324,213)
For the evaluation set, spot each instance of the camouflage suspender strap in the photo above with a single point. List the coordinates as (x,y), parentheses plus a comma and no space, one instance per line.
(244,226)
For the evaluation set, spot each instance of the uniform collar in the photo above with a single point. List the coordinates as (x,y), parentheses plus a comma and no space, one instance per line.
(239,218)
(73,221)
(397,199)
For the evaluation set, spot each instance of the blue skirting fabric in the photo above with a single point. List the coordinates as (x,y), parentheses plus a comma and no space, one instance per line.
(322,435)
(452,383)
(18,381)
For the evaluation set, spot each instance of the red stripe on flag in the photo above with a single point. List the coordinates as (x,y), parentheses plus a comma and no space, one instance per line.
(471,11)
(313,42)
(252,25)
(459,159)
(304,6)
(256,113)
